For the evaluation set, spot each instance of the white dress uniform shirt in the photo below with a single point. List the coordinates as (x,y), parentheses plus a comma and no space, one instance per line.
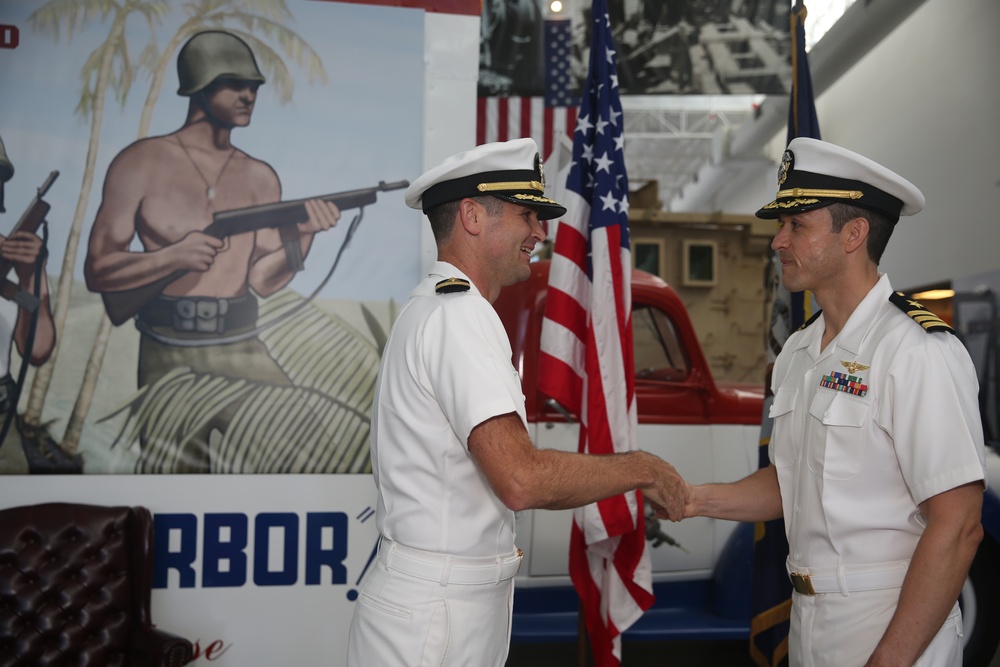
(853,464)
(446,369)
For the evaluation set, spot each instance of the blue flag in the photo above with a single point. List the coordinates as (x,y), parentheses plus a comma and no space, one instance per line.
(802,120)
(771,600)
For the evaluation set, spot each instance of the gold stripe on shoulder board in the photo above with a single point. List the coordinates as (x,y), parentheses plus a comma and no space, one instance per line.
(449,285)
(916,310)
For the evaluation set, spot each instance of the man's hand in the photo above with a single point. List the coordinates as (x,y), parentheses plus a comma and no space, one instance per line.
(21,249)
(322,216)
(756,497)
(196,251)
(668,493)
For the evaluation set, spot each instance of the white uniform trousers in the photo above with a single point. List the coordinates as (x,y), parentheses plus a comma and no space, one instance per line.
(401,620)
(834,630)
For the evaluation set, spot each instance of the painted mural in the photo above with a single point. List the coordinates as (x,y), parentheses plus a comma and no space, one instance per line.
(205,238)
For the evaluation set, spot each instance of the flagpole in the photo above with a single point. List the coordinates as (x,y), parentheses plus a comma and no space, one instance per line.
(771,590)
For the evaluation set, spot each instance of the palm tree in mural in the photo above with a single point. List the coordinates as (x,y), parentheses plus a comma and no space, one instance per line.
(108,67)
(330,406)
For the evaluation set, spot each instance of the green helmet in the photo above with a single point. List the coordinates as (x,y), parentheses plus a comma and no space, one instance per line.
(6,167)
(211,55)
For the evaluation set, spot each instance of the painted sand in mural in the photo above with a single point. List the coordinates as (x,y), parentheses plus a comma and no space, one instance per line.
(208,299)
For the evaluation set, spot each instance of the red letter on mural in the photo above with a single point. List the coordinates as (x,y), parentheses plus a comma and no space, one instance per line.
(213,651)
(10,36)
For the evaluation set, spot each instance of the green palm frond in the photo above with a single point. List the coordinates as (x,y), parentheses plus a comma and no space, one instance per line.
(123,71)
(319,350)
(88,75)
(294,430)
(149,56)
(378,330)
(164,416)
(320,424)
(375,327)
(121,74)
(275,9)
(152,11)
(256,30)
(50,17)
(180,392)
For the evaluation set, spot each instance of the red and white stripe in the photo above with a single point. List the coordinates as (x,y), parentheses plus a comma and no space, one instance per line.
(506,118)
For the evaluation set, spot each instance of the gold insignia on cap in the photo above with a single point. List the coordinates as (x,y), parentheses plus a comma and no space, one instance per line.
(806,192)
(511,185)
(449,285)
(787,160)
(853,366)
(541,200)
(790,203)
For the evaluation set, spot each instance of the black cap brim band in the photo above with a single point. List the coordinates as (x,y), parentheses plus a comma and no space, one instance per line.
(545,207)
(806,191)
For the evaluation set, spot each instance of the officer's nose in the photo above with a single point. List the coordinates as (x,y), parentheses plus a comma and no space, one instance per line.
(780,239)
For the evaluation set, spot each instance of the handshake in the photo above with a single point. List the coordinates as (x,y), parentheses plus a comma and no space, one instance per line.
(668,494)
(756,497)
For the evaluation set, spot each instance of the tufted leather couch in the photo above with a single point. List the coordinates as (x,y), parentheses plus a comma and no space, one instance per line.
(75,585)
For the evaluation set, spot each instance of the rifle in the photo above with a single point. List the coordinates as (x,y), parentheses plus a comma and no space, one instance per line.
(283,215)
(30,221)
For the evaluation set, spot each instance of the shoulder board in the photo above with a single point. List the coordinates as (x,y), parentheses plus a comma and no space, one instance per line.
(450,285)
(919,313)
(810,320)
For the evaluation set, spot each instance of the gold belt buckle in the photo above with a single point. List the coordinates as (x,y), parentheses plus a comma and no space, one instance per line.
(520,559)
(802,584)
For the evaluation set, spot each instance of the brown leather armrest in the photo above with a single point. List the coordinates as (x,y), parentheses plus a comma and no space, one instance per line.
(151,646)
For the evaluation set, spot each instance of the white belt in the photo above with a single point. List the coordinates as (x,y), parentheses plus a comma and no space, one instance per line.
(847,578)
(446,569)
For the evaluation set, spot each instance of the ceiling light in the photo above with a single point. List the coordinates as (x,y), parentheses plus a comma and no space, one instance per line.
(934,294)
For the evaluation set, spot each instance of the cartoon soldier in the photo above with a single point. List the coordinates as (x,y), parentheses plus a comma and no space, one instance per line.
(165,189)
(20,254)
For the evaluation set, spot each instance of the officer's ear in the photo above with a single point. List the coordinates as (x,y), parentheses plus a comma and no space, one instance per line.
(471,214)
(855,234)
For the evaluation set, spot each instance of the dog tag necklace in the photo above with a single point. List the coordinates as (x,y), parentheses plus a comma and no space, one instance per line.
(209,187)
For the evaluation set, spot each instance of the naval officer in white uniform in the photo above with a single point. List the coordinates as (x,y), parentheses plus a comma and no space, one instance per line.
(451,456)
(877,454)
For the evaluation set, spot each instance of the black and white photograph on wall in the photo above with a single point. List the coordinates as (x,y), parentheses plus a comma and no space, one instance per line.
(511,48)
(687,47)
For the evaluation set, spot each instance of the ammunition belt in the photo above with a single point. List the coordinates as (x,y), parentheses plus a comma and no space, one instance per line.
(200,314)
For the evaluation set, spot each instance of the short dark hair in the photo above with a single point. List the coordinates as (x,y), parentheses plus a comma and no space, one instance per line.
(442,216)
(880,226)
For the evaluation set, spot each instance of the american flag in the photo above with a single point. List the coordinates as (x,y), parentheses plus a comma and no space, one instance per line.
(586,352)
(541,118)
